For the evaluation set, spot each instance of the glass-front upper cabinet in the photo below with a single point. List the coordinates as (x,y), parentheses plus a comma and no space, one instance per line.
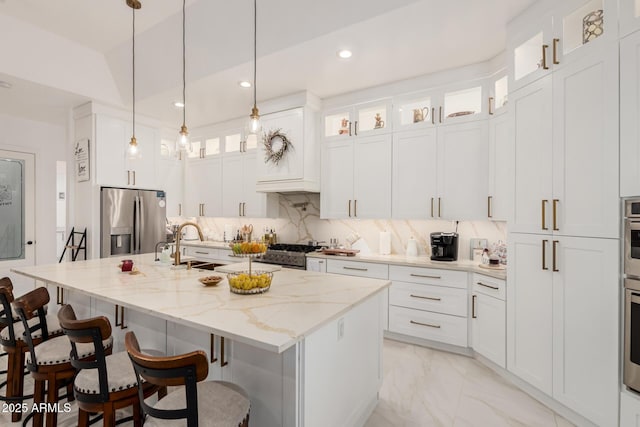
(498,94)
(416,110)
(462,104)
(629,16)
(233,142)
(569,31)
(358,120)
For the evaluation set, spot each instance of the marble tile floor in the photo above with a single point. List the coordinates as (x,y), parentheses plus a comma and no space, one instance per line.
(424,387)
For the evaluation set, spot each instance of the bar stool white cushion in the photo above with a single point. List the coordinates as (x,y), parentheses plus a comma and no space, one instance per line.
(220,404)
(120,375)
(57,350)
(53,326)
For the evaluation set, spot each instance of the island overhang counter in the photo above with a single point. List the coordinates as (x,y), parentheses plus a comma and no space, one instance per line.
(309,351)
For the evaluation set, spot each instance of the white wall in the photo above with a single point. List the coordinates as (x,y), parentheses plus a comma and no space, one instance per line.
(48,143)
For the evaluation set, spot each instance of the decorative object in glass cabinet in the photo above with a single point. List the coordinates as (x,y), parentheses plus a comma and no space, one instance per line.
(463,102)
(417,111)
(371,118)
(582,25)
(337,124)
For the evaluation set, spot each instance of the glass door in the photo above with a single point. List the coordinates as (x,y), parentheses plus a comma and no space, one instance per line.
(17,206)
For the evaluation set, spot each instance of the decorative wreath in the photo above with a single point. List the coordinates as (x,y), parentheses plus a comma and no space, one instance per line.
(276,144)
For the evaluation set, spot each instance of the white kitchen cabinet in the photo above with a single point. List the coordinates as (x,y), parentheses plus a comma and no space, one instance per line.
(463,162)
(414,166)
(500,199)
(316,264)
(629,115)
(498,94)
(629,409)
(80,302)
(114,168)
(562,320)
(203,187)
(488,318)
(356,181)
(629,16)
(541,43)
(566,156)
(171,181)
(372,118)
(239,195)
(298,170)
(182,339)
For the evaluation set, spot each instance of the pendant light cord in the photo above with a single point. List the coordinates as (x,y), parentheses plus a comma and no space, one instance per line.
(255,48)
(184,66)
(133,62)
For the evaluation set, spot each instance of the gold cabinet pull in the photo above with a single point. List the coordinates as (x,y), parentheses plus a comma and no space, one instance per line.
(239,209)
(440,114)
(134,177)
(544,214)
(355,128)
(355,208)
(212,358)
(544,254)
(429,298)
(555,215)
(424,324)
(179,209)
(554,253)
(544,56)
(349,127)
(439,207)
(495,288)
(128,177)
(555,51)
(491,105)
(222,361)
(349,208)
(426,276)
(432,207)
(59,295)
(433,118)
(121,322)
(355,268)
(473,306)
(489,198)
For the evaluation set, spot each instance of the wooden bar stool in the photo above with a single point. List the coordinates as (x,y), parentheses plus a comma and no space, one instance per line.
(201,403)
(50,361)
(14,344)
(106,383)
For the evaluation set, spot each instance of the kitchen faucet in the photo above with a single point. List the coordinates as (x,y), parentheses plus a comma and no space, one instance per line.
(179,236)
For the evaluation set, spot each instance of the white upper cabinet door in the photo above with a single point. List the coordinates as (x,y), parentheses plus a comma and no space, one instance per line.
(170,180)
(500,200)
(529,52)
(629,115)
(585,327)
(629,16)
(290,123)
(532,126)
(463,103)
(463,161)
(111,140)
(192,188)
(336,197)
(416,111)
(414,174)
(232,185)
(585,172)
(373,118)
(210,187)
(143,170)
(254,203)
(530,309)
(372,177)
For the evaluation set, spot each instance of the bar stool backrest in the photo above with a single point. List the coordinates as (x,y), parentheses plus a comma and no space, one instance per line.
(28,306)
(6,314)
(182,370)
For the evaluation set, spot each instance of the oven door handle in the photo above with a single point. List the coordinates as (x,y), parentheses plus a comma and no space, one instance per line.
(634,297)
(633,225)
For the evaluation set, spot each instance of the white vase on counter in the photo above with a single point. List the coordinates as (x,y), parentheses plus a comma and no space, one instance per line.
(412,247)
(385,243)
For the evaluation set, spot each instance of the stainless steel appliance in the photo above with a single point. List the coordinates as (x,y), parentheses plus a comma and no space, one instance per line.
(131,221)
(444,246)
(631,368)
(632,238)
(290,256)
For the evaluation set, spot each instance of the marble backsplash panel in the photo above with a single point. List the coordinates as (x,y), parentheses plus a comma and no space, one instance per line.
(299,221)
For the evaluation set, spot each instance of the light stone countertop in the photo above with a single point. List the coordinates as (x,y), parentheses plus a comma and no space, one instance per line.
(419,261)
(298,303)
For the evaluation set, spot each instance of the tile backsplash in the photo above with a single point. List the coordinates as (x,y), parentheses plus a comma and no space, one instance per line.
(299,221)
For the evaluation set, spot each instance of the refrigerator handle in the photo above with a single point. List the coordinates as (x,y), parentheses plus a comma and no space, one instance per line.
(134,244)
(140,216)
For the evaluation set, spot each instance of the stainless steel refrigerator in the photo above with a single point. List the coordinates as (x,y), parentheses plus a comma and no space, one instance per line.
(131,221)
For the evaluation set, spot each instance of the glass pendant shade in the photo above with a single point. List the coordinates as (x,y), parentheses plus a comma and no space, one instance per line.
(133,149)
(183,142)
(254,126)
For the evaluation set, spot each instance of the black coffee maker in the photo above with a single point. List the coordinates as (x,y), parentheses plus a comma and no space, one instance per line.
(444,246)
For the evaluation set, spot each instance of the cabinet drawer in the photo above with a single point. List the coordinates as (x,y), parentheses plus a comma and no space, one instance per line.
(430,276)
(202,253)
(357,268)
(489,286)
(427,325)
(439,299)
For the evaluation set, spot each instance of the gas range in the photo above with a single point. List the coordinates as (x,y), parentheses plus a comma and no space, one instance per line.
(290,256)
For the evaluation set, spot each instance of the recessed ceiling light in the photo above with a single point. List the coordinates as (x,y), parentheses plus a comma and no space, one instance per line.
(245,84)
(344,53)
(5,85)
(178,104)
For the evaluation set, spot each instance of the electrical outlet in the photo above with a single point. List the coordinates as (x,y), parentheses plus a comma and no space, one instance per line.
(477,244)
(340,329)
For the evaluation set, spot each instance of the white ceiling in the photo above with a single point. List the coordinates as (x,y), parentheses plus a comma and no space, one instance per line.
(297,44)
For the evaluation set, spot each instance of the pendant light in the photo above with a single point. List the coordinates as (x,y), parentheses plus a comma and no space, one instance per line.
(133,150)
(183,142)
(254,119)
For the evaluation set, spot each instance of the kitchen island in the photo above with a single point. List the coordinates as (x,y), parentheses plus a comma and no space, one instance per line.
(308,352)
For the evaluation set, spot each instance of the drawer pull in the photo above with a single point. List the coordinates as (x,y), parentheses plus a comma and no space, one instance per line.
(495,288)
(202,253)
(431,298)
(425,276)
(425,324)
(356,268)
(212,358)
